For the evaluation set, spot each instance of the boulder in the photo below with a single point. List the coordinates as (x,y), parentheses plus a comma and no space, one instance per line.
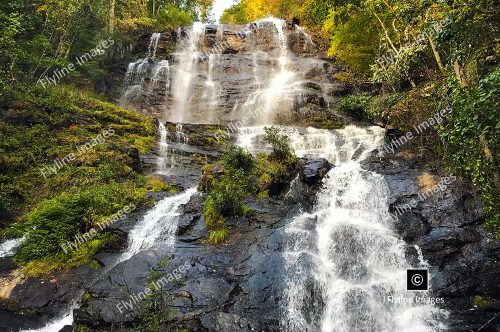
(312,171)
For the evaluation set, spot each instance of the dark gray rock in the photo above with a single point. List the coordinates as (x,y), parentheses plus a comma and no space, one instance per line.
(13,322)
(314,170)
(411,226)
(447,227)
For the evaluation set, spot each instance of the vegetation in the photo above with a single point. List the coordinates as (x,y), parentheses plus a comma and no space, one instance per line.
(69,159)
(424,56)
(38,37)
(237,175)
(53,206)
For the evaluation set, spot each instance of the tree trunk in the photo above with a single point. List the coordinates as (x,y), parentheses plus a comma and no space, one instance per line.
(436,55)
(459,74)
(111,22)
(386,33)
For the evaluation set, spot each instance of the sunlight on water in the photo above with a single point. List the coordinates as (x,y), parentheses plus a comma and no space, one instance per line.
(343,260)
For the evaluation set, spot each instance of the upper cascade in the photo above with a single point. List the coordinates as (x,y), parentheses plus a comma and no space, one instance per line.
(264,72)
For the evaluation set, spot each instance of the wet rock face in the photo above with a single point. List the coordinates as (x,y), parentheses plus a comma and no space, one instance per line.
(10,321)
(228,73)
(314,170)
(446,226)
(237,286)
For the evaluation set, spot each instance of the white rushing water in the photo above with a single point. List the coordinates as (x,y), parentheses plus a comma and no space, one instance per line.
(158,226)
(343,260)
(187,55)
(163,150)
(153,44)
(161,73)
(276,89)
(8,247)
(57,323)
(144,71)
(216,76)
(210,92)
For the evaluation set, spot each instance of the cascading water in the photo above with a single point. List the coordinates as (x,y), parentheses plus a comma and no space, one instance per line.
(159,225)
(163,150)
(144,76)
(221,73)
(57,324)
(161,72)
(8,247)
(153,44)
(343,260)
(211,93)
(157,228)
(187,56)
(276,93)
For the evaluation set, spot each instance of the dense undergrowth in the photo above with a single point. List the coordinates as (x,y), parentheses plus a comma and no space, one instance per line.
(51,203)
(240,174)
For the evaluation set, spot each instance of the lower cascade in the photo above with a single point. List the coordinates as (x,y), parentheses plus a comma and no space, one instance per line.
(158,227)
(345,269)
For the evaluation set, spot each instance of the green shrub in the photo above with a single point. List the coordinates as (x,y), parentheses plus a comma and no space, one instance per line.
(356,106)
(225,198)
(218,236)
(381,104)
(58,220)
(279,143)
(238,175)
(473,138)
(237,158)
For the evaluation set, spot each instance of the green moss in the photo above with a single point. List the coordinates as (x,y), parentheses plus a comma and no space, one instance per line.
(321,121)
(47,124)
(218,236)
(79,328)
(156,184)
(481,301)
(39,267)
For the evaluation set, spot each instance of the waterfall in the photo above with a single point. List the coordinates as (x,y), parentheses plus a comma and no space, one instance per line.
(8,247)
(343,260)
(275,94)
(187,55)
(182,137)
(254,70)
(153,44)
(309,42)
(58,323)
(161,72)
(211,93)
(163,149)
(159,226)
(145,75)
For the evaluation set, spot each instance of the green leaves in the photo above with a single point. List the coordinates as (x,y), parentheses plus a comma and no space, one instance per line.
(474,140)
